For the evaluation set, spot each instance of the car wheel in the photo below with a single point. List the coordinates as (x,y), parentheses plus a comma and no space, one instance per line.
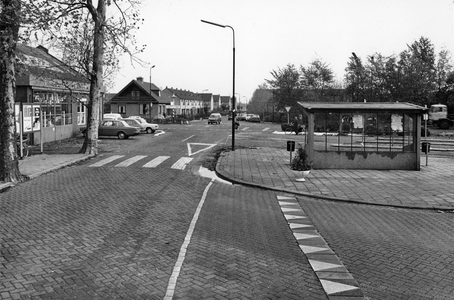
(121,135)
(149,130)
(443,124)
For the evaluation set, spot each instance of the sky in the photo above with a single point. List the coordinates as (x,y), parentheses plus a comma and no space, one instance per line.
(270,34)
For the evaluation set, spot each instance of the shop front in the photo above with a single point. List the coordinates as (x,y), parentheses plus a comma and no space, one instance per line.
(50,97)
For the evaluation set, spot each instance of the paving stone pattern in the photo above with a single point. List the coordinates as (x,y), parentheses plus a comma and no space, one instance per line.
(75,239)
(242,248)
(334,277)
(269,168)
(392,253)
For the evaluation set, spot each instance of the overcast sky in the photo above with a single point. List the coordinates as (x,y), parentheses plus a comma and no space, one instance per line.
(270,34)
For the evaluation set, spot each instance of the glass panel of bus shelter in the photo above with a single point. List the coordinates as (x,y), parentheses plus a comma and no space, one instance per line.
(320,120)
(409,127)
(332,131)
(397,132)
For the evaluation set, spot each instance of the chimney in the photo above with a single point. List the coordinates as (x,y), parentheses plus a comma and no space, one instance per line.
(140,79)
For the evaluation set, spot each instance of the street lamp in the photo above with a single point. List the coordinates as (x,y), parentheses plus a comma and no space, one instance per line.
(233,93)
(151,103)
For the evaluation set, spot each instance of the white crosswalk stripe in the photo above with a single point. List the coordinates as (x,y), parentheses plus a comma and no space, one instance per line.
(266,129)
(106,161)
(155,162)
(130,161)
(181,163)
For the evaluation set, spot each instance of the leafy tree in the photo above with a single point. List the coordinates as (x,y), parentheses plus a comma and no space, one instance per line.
(286,86)
(90,41)
(261,100)
(356,78)
(10,20)
(316,79)
(418,71)
(61,20)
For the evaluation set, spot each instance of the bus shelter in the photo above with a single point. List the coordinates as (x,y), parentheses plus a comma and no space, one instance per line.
(352,135)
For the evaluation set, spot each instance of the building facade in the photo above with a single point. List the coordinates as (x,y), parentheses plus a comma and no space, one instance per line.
(139,98)
(51,97)
(183,102)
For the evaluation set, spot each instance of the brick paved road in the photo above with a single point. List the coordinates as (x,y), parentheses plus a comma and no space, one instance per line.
(242,248)
(79,234)
(392,253)
(106,233)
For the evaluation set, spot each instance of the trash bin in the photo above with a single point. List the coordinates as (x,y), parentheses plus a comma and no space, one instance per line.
(425,147)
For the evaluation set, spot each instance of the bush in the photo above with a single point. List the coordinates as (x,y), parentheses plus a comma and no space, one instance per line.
(301,161)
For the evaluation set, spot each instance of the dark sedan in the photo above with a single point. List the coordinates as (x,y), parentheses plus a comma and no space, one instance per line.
(116,128)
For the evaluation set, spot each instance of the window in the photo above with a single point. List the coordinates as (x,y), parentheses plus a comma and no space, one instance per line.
(81,112)
(365,132)
(144,109)
(55,107)
(135,94)
(121,109)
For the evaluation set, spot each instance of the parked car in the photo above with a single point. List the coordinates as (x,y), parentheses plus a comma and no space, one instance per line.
(142,123)
(118,128)
(254,118)
(215,118)
(111,116)
(241,117)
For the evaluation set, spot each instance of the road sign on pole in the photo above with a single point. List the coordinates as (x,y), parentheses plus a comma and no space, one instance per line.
(288,110)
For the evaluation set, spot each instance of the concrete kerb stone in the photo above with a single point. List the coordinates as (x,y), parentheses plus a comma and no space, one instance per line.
(40,171)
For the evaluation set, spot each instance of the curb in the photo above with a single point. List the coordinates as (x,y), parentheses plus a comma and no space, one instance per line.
(6,185)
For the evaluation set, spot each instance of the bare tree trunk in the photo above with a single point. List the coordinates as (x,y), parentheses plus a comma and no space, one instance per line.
(96,80)
(9,28)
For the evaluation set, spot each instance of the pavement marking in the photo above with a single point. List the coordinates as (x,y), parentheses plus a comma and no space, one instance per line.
(321,257)
(184,247)
(181,163)
(155,162)
(206,147)
(106,161)
(188,138)
(266,129)
(332,287)
(130,161)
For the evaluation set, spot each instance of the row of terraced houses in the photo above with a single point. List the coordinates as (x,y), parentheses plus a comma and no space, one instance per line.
(145,99)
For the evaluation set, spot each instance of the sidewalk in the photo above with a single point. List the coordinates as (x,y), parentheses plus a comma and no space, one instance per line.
(36,165)
(430,188)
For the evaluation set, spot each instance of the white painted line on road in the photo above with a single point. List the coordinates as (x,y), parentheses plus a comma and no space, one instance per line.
(266,129)
(106,161)
(188,138)
(181,163)
(155,162)
(184,247)
(130,161)
(199,144)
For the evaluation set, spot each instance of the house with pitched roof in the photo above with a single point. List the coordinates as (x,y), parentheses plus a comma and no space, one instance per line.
(139,98)
(208,104)
(50,96)
(226,103)
(216,102)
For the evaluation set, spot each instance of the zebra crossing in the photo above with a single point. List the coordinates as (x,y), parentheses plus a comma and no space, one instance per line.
(120,162)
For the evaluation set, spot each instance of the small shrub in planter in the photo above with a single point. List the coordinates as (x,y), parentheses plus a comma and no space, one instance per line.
(300,161)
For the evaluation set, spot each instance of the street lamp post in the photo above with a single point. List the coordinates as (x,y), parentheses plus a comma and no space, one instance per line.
(151,103)
(233,93)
